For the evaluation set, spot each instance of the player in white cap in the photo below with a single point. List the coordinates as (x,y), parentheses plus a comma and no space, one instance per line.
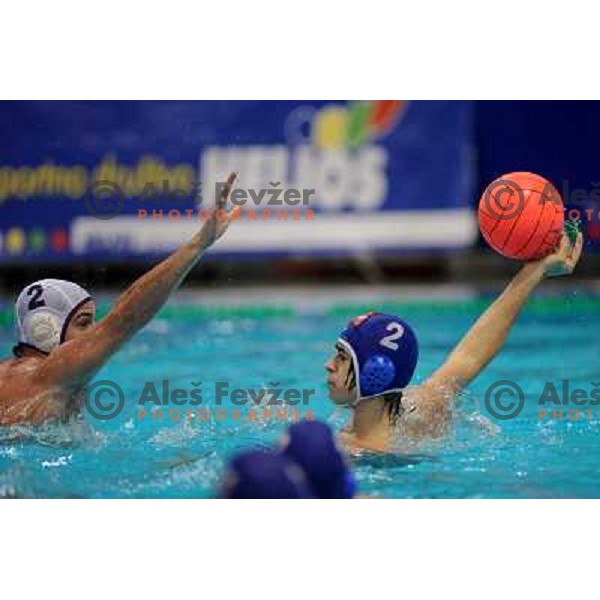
(60,347)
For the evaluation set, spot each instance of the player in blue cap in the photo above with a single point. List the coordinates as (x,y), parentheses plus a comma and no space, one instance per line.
(266,475)
(376,356)
(313,447)
(60,347)
(309,464)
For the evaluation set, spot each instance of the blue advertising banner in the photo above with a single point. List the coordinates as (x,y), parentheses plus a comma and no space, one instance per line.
(99,180)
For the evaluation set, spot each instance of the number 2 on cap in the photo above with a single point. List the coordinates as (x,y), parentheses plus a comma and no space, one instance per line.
(389,340)
(36,291)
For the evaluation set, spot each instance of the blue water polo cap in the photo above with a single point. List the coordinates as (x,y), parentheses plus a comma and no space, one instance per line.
(312,445)
(265,475)
(384,351)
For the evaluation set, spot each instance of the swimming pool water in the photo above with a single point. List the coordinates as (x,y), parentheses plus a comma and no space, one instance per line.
(254,348)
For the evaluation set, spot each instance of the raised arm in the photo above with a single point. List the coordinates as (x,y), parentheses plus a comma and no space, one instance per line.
(73,363)
(485,339)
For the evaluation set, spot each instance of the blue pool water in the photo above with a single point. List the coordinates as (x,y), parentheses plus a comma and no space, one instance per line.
(129,458)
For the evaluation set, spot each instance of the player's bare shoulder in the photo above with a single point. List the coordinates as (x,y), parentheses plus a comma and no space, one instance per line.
(427,411)
(18,387)
(18,373)
(20,365)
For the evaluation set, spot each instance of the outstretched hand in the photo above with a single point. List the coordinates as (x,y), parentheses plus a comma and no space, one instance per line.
(565,258)
(220,219)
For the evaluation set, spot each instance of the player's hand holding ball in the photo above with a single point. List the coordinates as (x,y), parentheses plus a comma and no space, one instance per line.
(564,260)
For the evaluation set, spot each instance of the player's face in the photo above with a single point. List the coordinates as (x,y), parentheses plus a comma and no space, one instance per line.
(82,320)
(339,369)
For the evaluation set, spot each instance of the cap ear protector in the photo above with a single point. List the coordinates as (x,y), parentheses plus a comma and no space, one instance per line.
(377,374)
(42,330)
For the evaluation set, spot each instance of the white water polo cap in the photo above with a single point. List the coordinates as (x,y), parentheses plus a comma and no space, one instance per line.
(43,311)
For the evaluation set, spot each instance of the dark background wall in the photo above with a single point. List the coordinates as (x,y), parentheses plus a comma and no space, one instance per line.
(558,139)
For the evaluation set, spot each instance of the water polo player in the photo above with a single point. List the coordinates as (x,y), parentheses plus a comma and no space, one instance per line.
(264,475)
(61,347)
(376,356)
(314,448)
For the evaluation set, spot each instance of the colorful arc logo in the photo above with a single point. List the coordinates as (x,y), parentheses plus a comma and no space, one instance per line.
(338,126)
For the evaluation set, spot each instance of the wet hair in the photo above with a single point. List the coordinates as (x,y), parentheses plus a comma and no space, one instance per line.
(393,403)
(393,400)
(351,377)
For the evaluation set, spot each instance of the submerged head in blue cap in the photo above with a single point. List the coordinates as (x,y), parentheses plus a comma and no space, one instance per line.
(312,445)
(384,353)
(264,475)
